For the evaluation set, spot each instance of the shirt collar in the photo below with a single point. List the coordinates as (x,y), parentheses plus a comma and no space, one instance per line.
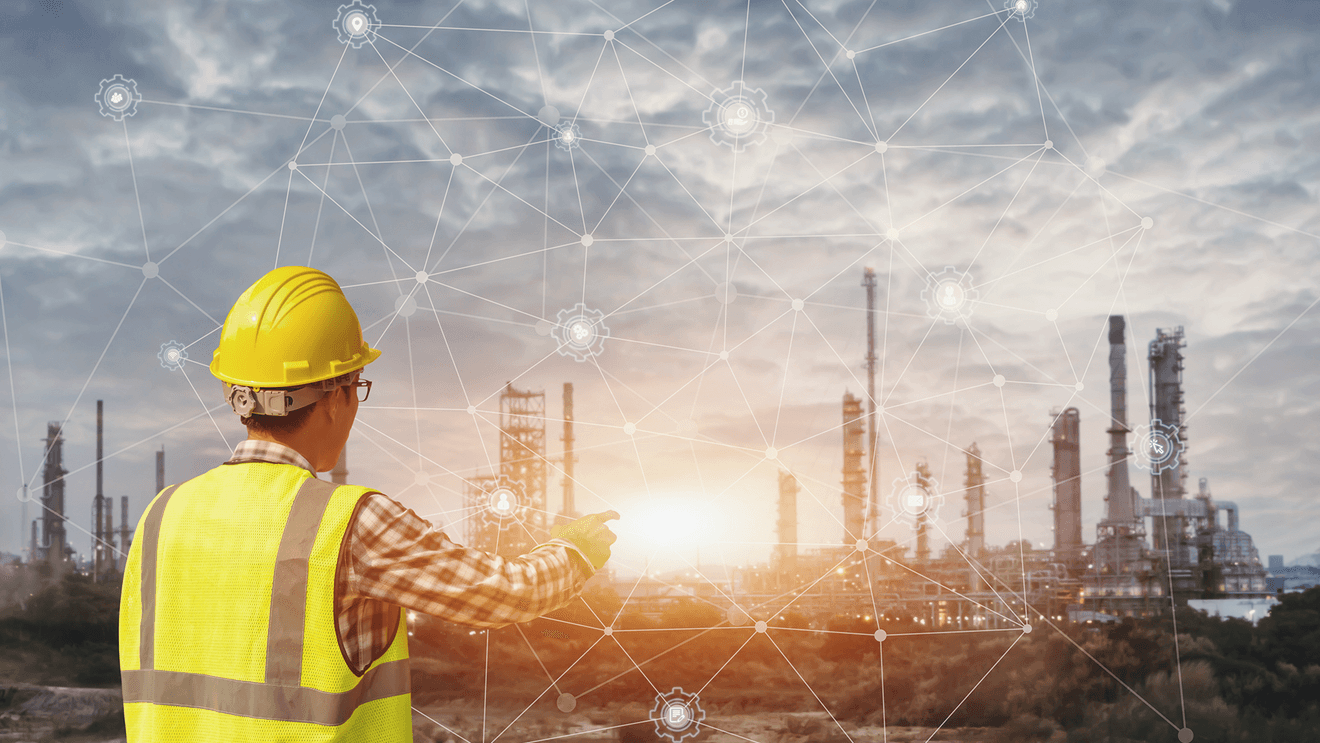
(255,450)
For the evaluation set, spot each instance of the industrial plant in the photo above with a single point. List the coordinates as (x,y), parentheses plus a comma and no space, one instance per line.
(1147,556)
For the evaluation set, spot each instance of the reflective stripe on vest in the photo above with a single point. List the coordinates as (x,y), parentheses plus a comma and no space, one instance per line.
(281,696)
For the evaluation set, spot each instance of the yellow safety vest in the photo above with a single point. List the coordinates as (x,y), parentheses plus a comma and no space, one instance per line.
(226,623)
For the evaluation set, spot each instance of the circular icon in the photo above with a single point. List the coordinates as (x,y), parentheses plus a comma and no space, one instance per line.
(117,97)
(567,136)
(913,499)
(356,23)
(580,332)
(1157,446)
(949,295)
(172,355)
(738,116)
(1021,9)
(501,503)
(677,715)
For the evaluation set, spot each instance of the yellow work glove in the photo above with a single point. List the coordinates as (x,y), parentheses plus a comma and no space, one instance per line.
(591,535)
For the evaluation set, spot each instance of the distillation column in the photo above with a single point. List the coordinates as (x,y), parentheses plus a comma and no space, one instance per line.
(786,550)
(872,421)
(53,547)
(1067,473)
(854,473)
(1169,533)
(975,516)
(569,511)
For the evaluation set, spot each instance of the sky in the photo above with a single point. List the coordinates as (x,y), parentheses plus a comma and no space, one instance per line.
(732,169)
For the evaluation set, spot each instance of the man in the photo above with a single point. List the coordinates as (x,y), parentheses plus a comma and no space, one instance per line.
(261,603)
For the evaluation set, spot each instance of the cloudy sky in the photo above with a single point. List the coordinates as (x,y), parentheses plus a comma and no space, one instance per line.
(1156,160)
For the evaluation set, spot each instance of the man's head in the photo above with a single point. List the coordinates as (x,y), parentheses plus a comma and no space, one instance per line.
(289,352)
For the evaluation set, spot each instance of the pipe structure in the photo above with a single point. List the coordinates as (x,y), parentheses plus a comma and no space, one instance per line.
(1119,506)
(854,474)
(786,528)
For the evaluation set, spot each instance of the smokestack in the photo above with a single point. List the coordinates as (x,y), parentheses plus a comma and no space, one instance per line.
(125,538)
(569,510)
(52,498)
(1119,507)
(1165,357)
(1068,486)
(98,548)
(873,435)
(923,539)
(975,515)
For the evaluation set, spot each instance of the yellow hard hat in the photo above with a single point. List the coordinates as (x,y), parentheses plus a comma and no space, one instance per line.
(293,327)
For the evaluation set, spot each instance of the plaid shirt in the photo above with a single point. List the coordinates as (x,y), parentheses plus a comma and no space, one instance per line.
(391,557)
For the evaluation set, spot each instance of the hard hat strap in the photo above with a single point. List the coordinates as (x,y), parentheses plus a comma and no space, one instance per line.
(249,401)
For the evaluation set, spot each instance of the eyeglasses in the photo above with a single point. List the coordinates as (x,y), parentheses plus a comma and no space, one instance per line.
(361,383)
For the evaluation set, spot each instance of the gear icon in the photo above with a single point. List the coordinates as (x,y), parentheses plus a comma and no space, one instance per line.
(118,97)
(356,24)
(738,117)
(949,295)
(1021,9)
(912,499)
(1157,447)
(172,355)
(567,136)
(580,332)
(502,503)
(677,715)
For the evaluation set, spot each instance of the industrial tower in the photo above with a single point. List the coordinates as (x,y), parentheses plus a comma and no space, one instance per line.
(1067,475)
(854,472)
(522,473)
(975,516)
(53,548)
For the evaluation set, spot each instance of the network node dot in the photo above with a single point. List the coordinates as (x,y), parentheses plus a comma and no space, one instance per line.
(630,428)
(771,453)
(882,148)
(456,159)
(1026,629)
(892,233)
(566,702)
(472,410)
(609,631)
(1016,476)
(422,478)
(422,276)
(172,355)
(150,270)
(356,24)
(587,240)
(724,355)
(728,237)
(293,165)
(880,635)
(851,54)
(1051,315)
(337,122)
(760,627)
(609,36)
(1147,223)
(1095,167)
(548,115)
(1185,735)
(544,327)
(726,293)
(1079,386)
(860,545)
(1049,144)
(737,617)
(22,495)
(798,304)
(405,305)
(568,137)
(650,150)
(999,380)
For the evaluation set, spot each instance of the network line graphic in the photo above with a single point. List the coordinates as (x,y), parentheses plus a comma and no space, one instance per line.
(681,233)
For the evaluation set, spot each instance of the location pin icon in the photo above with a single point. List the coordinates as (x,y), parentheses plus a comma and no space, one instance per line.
(356,23)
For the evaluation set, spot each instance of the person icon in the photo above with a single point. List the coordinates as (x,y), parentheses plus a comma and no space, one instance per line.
(948,298)
(503,506)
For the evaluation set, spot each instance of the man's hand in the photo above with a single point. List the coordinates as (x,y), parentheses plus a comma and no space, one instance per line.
(591,535)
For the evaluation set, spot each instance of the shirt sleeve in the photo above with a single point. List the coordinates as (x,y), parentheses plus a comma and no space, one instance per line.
(398,557)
